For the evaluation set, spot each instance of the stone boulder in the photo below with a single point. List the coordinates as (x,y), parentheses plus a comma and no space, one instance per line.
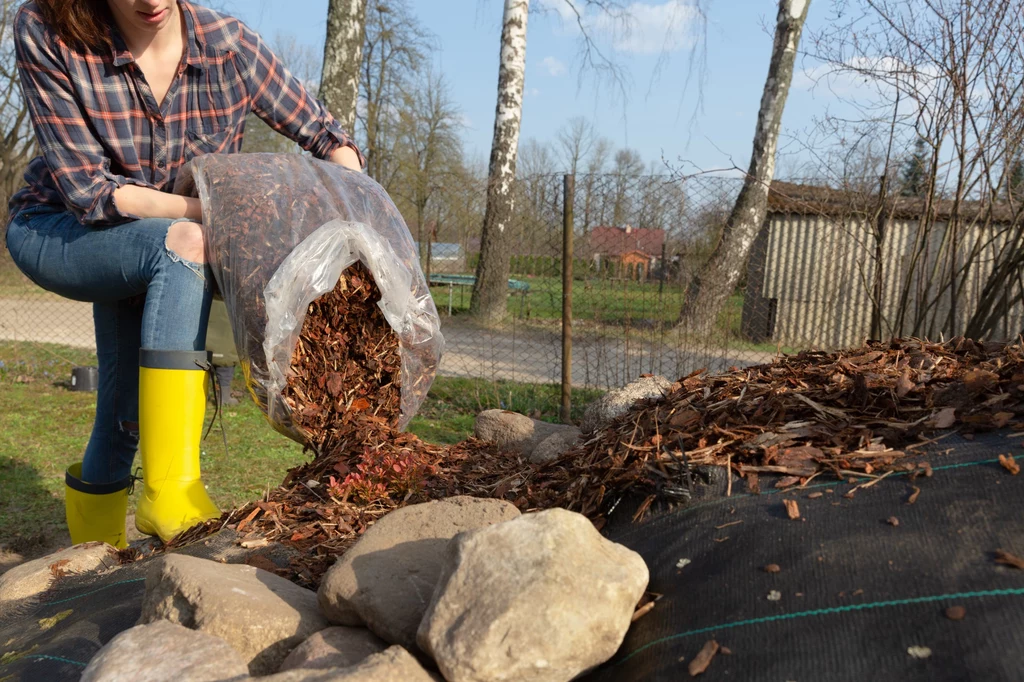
(552,447)
(337,647)
(261,615)
(386,579)
(35,577)
(616,403)
(393,665)
(165,652)
(516,431)
(541,598)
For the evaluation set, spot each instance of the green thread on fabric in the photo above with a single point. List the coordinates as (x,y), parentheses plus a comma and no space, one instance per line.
(1015,592)
(87,594)
(44,657)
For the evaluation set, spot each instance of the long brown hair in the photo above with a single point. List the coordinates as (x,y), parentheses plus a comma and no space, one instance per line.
(80,23)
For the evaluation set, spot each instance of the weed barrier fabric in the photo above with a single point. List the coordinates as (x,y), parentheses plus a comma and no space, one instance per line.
(280,230)
(53,637)
(862,580)
(855,591)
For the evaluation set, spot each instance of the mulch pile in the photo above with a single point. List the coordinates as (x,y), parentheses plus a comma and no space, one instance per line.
(860,413)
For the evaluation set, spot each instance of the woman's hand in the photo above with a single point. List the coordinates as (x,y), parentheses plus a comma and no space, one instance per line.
(147,202)
(347,157)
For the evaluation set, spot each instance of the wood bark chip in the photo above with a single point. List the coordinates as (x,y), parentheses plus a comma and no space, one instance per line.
(944,418)
(642,611)
(1006,559)
(1008,463)
(792,509)
(345,376)
(703,659)
(956,612)
(368,468)
(57,568)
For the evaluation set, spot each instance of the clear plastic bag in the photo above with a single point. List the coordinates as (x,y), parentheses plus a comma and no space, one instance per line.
(280,229)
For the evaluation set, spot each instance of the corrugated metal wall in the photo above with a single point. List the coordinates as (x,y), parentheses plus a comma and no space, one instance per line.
(821,272)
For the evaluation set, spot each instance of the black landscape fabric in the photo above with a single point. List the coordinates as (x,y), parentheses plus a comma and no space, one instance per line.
(863,582)
(865,586)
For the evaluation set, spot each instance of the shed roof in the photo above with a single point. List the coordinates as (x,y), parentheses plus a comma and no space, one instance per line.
(800,199)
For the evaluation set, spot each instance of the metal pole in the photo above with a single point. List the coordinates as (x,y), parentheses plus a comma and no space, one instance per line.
(568,194)
(661,275)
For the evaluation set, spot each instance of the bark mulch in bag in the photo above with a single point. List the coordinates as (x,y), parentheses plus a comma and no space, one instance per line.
(281,229)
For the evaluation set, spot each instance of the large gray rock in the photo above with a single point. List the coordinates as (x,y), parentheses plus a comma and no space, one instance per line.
(515,431)
(36,576)
(165,652)
(337,647)
(555,445)
(541,598)
(261,615)
(393,665)
(616,403)
(386,579)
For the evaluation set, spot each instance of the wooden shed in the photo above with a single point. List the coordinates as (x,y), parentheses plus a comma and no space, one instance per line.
(830,268)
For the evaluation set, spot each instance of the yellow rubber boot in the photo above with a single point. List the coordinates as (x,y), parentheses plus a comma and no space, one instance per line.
(172,405)
(95,512)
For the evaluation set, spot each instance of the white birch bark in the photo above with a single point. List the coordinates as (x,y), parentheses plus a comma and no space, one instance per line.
(343,50)
(490,291)
(710,288)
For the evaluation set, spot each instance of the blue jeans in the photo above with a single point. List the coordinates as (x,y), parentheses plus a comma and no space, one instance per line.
(143,296)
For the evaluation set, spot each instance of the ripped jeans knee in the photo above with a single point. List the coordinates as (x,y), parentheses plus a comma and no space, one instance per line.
(185,244)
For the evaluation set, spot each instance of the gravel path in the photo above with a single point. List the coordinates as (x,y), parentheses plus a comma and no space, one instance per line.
(519,354)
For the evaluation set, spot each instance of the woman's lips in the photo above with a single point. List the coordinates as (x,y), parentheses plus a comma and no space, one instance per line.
(154,18)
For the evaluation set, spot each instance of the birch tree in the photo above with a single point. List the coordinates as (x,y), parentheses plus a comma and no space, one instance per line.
(488,304)
(343,50)
(715,281)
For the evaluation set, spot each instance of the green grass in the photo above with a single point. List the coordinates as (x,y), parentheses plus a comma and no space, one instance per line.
(613,302)
(614,307)
(44,427)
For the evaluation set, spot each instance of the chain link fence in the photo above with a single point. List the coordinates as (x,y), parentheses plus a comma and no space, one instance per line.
(830,267)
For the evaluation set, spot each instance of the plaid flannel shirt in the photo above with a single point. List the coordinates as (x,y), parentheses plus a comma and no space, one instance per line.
(99,126)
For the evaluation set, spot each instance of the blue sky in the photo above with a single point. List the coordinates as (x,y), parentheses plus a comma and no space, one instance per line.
(657,118)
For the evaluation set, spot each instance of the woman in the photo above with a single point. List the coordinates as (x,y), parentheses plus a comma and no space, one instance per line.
(122,93)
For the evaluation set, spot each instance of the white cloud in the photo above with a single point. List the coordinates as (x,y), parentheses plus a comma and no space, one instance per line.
(554,66)
(639,28)
(531,92)
(868,77)
(651,29)
(564,8)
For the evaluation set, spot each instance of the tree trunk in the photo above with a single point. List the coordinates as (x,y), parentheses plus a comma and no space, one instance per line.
(710,288)
(490,295)
(343,50)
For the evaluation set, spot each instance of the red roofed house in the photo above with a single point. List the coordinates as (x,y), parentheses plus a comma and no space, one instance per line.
(629,251)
